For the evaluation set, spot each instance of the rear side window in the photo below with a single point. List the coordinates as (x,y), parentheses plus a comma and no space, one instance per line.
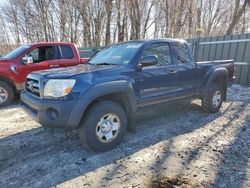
(161,50)
(67,52)
(182,53)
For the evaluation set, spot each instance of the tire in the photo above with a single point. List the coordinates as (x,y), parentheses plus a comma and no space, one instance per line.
(6,94)
(96,135)
(212,102)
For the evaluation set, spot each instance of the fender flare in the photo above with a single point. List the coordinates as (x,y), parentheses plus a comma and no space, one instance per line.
(220,72)
(119,86)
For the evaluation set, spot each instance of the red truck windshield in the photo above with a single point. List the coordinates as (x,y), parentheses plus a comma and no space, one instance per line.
(13,54)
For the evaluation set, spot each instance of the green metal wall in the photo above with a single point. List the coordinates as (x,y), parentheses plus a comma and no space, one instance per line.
(236,47)
(88,52)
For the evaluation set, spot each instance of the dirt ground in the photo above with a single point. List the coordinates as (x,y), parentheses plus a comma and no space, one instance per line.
(175,146)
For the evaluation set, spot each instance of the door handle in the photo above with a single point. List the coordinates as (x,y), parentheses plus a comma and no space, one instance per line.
(54,66)
(173,72)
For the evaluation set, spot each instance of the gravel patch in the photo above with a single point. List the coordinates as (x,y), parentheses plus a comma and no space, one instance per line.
(175,146)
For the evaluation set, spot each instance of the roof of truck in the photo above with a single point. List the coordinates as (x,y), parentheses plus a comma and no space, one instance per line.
(165,39)
(144,41)
(51,43)
(156,40)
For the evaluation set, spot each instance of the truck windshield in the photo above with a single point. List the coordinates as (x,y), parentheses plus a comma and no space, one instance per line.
(15,53)
(119,54)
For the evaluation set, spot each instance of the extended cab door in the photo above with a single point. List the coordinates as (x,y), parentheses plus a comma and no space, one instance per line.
(186,71)
(157,83)
(43,57)
(69,56)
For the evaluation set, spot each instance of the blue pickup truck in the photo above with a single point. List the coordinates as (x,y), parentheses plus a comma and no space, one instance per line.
(101,97)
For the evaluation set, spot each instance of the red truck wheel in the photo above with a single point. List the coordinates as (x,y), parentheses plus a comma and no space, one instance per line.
(6,94)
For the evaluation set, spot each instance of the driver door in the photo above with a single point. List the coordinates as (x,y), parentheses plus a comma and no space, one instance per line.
(157,83)
(43,57)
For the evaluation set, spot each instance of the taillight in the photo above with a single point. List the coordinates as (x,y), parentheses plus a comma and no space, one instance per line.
(234,70)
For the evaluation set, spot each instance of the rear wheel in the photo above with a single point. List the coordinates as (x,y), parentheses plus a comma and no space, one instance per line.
(104,126)
(6,94)
(212,102)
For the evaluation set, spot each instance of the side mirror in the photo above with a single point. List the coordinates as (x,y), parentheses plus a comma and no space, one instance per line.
(149,60)
(27,60)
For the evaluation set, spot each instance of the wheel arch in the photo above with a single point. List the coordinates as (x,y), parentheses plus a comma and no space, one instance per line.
(119,92)
(8,81)
(219,76)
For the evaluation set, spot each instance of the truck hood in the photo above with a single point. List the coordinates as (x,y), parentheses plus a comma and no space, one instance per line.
(71,71)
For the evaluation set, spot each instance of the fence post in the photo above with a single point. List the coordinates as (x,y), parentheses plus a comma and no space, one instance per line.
(196,50)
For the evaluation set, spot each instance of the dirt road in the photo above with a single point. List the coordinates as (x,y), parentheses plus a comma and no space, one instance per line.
(175,145)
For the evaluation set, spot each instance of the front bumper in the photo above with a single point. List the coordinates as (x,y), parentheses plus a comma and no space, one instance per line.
(20,86)
(53,113)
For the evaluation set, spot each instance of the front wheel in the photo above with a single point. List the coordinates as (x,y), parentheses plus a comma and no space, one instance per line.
(212,102)
(6,94)
(104,126)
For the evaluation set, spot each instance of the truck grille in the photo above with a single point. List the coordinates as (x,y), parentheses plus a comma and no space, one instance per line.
(32,86)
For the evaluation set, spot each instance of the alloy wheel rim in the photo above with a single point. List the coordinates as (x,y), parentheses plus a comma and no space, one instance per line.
(216,99)
(3,95)
(108,127)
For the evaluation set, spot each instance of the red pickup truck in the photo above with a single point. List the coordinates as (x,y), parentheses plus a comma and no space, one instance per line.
(15,66)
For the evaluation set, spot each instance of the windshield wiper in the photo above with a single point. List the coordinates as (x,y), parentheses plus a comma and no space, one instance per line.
(104,63)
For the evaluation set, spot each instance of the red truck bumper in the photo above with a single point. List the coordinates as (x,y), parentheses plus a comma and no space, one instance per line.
(20,86)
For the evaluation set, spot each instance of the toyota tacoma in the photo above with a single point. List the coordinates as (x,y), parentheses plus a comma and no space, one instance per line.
(101,97)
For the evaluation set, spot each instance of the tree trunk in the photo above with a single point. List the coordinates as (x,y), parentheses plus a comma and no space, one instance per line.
(190,18)
(237,15)
(135,19)
(108,6)
(178,24)
(198,27)
(120,27)
(166,18)
(62,20)
(145,28)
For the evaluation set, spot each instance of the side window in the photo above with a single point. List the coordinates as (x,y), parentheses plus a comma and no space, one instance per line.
(49,53)
(182,54)
(34,54)
(67,52)
(161,50)
(42,53)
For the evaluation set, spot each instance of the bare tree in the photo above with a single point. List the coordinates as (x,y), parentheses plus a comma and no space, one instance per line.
(108,7)
(238,11)
(62,9)
(135,19)
(92,23)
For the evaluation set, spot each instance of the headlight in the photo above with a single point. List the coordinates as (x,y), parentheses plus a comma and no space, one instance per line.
(58,87)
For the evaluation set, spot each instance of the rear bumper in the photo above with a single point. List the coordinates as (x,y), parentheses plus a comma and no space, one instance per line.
(231,81)
(53,113)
